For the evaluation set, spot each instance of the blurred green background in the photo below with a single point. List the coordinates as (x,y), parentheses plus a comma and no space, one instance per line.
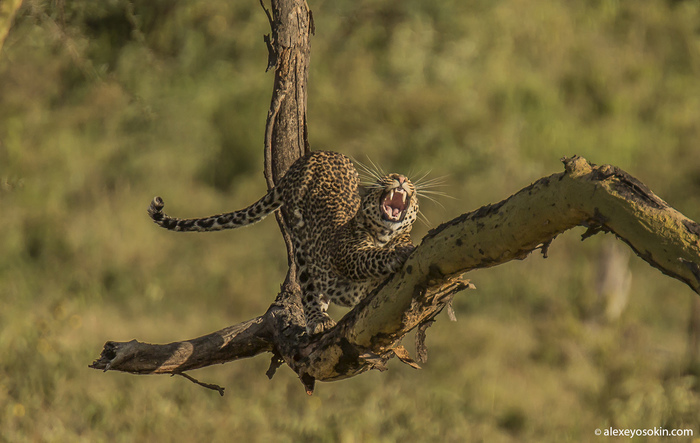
(105,104)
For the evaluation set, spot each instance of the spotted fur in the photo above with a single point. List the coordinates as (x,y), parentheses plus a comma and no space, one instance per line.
(347,238)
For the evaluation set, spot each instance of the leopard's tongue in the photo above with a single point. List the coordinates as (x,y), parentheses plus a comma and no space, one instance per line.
(394,204)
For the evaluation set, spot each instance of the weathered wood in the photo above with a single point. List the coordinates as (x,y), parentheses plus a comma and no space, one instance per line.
(286,134)
(239,341)
(605,198)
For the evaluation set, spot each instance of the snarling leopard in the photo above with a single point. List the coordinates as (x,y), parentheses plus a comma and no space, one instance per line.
(347,238)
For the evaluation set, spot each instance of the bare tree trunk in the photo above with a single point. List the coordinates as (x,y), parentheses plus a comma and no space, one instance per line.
(286,139)
(285,131)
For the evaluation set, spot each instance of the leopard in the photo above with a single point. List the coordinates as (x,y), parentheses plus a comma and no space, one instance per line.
(348,236)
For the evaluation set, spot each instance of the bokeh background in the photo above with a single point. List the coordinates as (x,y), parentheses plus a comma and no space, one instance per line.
(105,104)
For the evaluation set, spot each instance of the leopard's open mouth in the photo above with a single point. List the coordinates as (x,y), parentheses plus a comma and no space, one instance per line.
(394,205)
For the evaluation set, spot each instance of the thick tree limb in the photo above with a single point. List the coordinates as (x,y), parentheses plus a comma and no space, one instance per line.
(239,341)
(603,198)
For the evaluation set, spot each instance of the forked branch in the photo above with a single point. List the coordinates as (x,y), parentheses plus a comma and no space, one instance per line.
(604,198)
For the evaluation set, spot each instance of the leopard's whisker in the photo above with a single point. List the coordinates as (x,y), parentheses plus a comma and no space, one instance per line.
(433,182)
(438,193)
(367,175)
(367,181)
(420,179)
(368,171)
(423,219)
(433,200)
(377,169)
(411,172)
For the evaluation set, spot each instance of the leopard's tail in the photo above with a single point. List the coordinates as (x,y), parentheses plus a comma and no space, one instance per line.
(231,220)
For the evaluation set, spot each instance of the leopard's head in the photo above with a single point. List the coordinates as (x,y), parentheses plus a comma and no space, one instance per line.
(389,206)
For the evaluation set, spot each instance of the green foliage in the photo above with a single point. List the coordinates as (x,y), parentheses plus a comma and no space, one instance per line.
(105,104)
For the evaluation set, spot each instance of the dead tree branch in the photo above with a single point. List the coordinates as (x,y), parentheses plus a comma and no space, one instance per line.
(605,198)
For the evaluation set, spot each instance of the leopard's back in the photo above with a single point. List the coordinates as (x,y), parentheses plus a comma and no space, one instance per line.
(320,197)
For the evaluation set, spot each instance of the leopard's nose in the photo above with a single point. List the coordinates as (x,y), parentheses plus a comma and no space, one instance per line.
(404,184)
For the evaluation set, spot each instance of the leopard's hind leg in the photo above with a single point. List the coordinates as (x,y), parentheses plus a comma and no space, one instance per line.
(315,301)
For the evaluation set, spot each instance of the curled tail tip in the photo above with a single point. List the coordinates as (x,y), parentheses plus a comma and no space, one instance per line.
(155,209)
(158,203)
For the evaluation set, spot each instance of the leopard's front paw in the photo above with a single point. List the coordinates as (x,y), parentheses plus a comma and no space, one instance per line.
(319,324)
(402,254)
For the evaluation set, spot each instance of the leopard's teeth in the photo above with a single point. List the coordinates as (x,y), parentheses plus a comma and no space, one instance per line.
(403,197)
(391,195)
